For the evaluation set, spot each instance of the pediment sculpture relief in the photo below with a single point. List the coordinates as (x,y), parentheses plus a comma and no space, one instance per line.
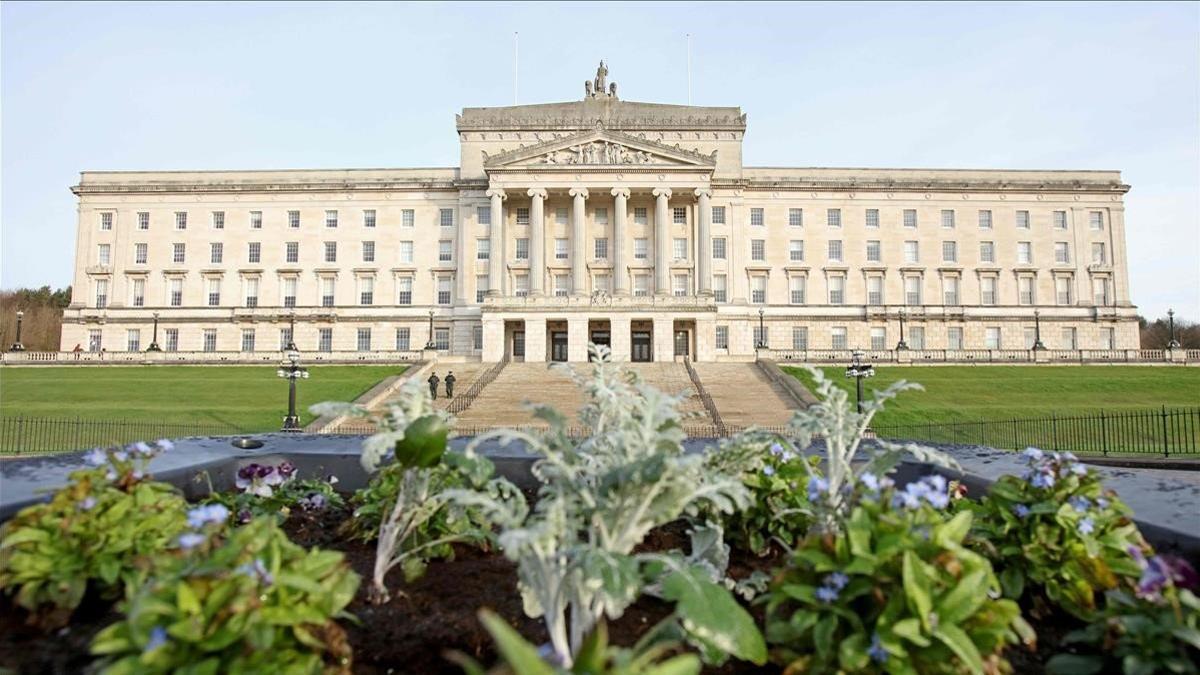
(600,152)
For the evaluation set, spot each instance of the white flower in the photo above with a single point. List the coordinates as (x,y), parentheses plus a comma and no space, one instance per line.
(96,457)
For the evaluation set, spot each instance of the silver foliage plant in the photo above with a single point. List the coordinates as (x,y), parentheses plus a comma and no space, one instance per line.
(411,403)
(599,498)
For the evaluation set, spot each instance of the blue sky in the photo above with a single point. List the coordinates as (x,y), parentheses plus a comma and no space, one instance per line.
(279,85)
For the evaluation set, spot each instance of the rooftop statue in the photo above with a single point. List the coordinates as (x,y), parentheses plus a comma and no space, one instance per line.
(600,86)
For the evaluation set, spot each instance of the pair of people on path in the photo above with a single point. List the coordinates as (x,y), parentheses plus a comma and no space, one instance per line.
(433,384)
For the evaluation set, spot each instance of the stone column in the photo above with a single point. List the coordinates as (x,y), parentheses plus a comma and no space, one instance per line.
(620,274)
(664,339)
(578,241)
(706,328)
(622,349)
(577,340)
(662,244)
(493,339)
(704,242)
(535,340)
(496,238)
(537,246)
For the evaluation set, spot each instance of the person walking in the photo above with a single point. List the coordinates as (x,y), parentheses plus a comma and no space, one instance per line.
(433,383)
(450,380)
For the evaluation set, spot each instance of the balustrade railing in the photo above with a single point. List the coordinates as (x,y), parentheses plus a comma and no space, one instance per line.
(1147,356)
(203,358)
(705,398)
(464,401)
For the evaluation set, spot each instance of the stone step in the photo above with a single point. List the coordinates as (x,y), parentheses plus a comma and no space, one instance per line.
(744,396)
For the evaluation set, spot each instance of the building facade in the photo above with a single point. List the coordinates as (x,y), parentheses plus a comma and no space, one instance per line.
(629,224)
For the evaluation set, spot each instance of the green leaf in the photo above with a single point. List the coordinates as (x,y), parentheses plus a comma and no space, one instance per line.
(823,634)
(710,614)
(1188,635)
(1074,664)
(521,656)
(953,531)
(964,599)
(916,589)
(960,643)
(424,442)
(684,664)
(1012,581)
(852,654)
(910,629)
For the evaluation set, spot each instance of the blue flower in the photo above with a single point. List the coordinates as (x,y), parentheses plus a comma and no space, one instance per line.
(768,470)
(257,569)
(158,638)
(96,457)
(786,456)
(869,480)
(190,540)
(1102,503)
(776,449)
(1079,469)
(817,486)
(827,594)
(120,455)
(876,651)
(1070,457)
(164,445)
(837,581)
(1086,526)
(1042,480)
(1080,503)
(1021,510)
(1032,454)
(142,448)
(204,515)
(87,504)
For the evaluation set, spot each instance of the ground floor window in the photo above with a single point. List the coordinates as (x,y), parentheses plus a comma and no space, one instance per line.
(1030,338)
(722,337)
(916,338)
(364,340)
(403,339)
(477,338)
(172,341)
(210,339)
(441,339)
(325,339)
(799,338)
(285,338)
(954,337)
(248,339)
(95,342)
(837,337)
(760,336)
(879,338)
(133,340)
(991,337)
(1069,340)
(1108,338)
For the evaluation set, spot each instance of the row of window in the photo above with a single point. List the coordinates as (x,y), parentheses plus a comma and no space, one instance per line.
(914,338)
(909,219)
(250,343)
(255,219)
(912,251)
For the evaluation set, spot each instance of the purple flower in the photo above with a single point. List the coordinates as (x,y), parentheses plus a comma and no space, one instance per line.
(244,516)
(1161,570)
(768,470)
(96,457)
(870,481)
(158,638)
(876,651)
(87,504)
(1079,470)
(827,594)
(314,502)
(210,514)
(1021,510)
(190,540)
(776,449)
(1042,480)
(286,469)
(257,570)
(817,487)
(837,581)
(1080,503)
(1032,454)
(1086,526)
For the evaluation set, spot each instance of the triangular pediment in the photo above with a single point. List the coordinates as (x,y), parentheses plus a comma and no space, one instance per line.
(599,148)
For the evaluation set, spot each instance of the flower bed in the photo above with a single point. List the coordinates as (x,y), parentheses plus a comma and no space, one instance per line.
(629,555)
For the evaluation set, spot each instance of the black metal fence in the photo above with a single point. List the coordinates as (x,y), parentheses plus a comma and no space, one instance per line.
(32,435)
(1162,431)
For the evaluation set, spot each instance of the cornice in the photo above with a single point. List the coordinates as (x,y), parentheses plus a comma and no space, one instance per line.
(953,186)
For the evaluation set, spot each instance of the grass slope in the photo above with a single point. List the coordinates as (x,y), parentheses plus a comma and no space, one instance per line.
(245,398)
(971,393)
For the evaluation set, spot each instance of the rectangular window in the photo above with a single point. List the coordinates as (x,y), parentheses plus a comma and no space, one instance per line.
(328,291)
(916,338)
(837,337)
(718,248)
(1108,338)
(758,249)
(483,215)
(562,285)
(247,339)
(445,250)
(798,290)
(210,339)
(172,341)
(878,338)
(1096,220)
(1025,290)
(679,285)
(760,336)
(368,251)
(285,338)
(331,218)
(181,220)
(104,255)
(796,250)
(950,291)
(143,220)
(477,338)
(560,216)
(1022,220)
(216,253)
(795,217)
(987,290)
(95,342)
(679,215)
(324,339)
(912,251)
(833,217)
(875,290)
(254,252)
(800,338)
(252,291)
(1062,252)
(641,285)
(368,217)
(1030,337)
(1100,290)
(950,251)
(718,215)
(178,253)
(481,287)
(483,248)
(106,220)
(139,293)
(639,248)
(872,218)
(560,248)
(991,337)
(1069,339)
(366,290)
(1062,290)
(292,252)
(294,219)
(404,288)
(406,252)
(835,250)
(522,252)
(639,216)
(289,292)
(521,285)
(948,218)
(214,292)
(600,216)
(443,290)
(985,219)
(403,339)
(912,290)
(218,220)
(363,340)
(721,339)
(408,218)
(1024,253)
(602,282)
(679,248)
(600,248)
(175,292)
(1099,256)
(910,218)
(256,220)
(441,339)
(331,251)
(987,252)
(954,337)
(837,290)
(719,288)
(1060,220)
(446,217)
(756,217)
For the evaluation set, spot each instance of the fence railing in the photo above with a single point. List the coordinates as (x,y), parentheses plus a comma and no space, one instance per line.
(190,357)
(33,435)
(705,398)
(461,403)
(1162,431)
(990,355)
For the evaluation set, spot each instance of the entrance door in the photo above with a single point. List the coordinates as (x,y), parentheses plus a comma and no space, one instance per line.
(518,344)
(682,343)
(558,346)
(600,337)
(640,342)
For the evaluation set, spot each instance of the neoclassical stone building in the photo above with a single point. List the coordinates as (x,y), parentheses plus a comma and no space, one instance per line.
(631,224)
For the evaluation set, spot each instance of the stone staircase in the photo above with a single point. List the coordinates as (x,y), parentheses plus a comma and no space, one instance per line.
(745,396)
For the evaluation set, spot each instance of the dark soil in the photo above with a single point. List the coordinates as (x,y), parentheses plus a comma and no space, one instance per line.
(25,648)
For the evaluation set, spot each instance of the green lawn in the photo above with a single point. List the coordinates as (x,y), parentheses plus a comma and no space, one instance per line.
(971,393)
(242,398)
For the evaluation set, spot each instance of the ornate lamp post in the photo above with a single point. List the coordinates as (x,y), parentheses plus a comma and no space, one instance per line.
(291,371)
(1173,344)
(1037,331)
(429,344)
(154,340)
(762,333)
(17,346)
(901,345)
(858,370)
(291,343)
